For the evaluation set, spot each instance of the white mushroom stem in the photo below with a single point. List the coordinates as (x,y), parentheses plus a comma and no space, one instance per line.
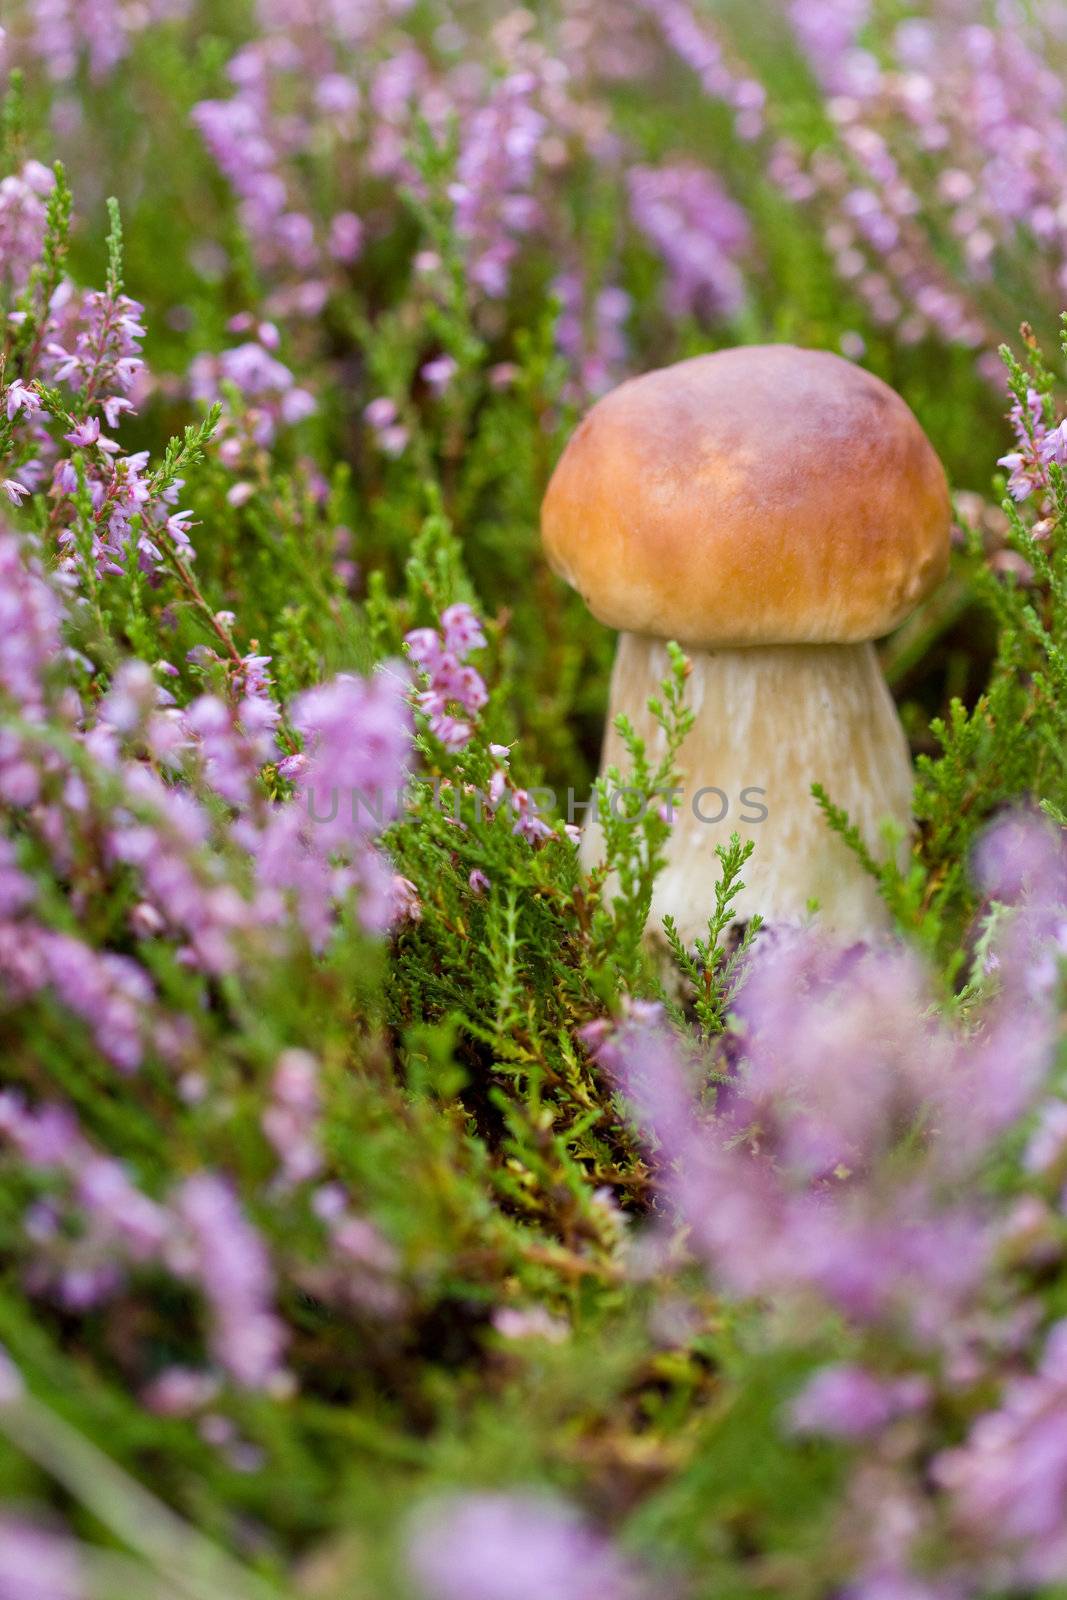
(770,722)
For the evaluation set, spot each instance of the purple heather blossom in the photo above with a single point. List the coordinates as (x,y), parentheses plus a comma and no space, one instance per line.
(528,824)
(23,218)
(534,1322)
(271,397)
(381,416)
(291,1118)
(494,1546)
(363,1267)
(17,890)
(592,338)
(229,1261)
(1036,447)
(1008,1482)
(425,647)
(91,344)
(106,348)
(17,397)
(453,687)
(357,733)
(133,696)
(699,231)
(230,763)
(1020,856)
(847,1402)
(784,1188)
(109,992)
(85,434)
(48,1136)
(119,1225)
(462,630)
(100,32)
(406,905)
(11,1384)
(498,162)
(439,373)
(181,1392)
(110,1199)
(380,413)
(37,1564)
(1046,1153)
(828,31)
(346,237)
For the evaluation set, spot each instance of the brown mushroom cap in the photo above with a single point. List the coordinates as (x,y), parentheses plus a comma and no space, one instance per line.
(762,495)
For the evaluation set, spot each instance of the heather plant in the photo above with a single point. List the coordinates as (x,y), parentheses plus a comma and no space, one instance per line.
(382,1212)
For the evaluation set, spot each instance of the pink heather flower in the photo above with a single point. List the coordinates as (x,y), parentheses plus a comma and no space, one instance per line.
(452,687)
(394,441)
(462,630)
(232,1267)
(440,372)
(12,1387)
(498,784)
(132,698)
(17,889)
(453,732)
(499,159)
(424,647)
(382,416)
(180,1392)
(478,881)
(453,684)
(291,1119)
(406,905)
(515,1547)
(1025,474)
(841,1057)
(48,1136)
(1046,1153)
(230,765)
(64,478)
(111,993)
(292,765)
(514,1322)
(15,491)
(23,218)
(270,396)
(19,398)
(108,1197)
(1008,1481)
(114,406)
(380,413)
(847,1402)
(699,231)
(527,822)
(37,1565)
(1018,855)
(593,339)
(357,734)
(85,434)
(346,237)
(1054,445)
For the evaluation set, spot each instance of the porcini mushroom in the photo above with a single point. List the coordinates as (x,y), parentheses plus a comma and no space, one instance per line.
(774,510)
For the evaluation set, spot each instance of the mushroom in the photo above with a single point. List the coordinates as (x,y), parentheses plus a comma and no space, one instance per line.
(774,511)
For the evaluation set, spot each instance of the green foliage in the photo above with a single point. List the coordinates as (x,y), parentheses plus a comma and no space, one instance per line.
(712,968)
